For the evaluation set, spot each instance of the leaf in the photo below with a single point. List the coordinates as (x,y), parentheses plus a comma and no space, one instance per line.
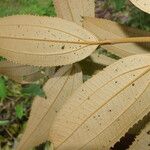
(45,72)
(49,146)
(102,110)
(3,90)
(33,90)
(142,140)
(142,4)
(43,111)
(3,122)
(19,73)
(74,10)
(119,4)
(104,29)
(102,59)
(19,111)
(9,68)
(42,41)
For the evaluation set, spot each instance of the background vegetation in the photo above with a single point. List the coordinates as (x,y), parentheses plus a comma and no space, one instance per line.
(16,99)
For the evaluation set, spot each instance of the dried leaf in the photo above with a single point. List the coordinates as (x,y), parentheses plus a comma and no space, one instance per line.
(142,4)
(102,59)
(7,67)
(18,72)
(39,41)
(48,72)
(23,73)
(57,89)
(106,29)
(74,10)
(102,110)
(142,142)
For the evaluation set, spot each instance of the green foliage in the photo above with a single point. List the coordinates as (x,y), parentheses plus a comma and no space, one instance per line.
(119,4)
(3,122)
(3,90)
(33,90)
(139,19)
(34,7)
(19,111)
(125,12)
(1,58)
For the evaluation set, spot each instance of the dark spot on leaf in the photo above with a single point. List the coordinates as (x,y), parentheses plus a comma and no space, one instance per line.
(63,47)
(148,132)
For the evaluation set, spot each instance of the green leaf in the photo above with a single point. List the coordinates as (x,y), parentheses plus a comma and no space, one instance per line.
(19,111)
(3,122)
(48,146)
(2,58)
(3,91)
(119,4)
(33,90)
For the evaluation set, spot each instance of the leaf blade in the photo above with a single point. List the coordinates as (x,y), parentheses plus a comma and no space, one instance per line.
(118,81)
(33,90)
(19,73)
(74,10)
(103,29)
(60,86)
(3,90)
(30,41)
(19,111)
(4,122)
(142,4)
(102,59)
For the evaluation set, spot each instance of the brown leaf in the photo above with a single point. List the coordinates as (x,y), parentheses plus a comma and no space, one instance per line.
(42,41)
(57,89)
(142,141)
(102,110)
(74,10)
(106,29)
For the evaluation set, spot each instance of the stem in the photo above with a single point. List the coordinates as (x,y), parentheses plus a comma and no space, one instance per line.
(128,40)
(102,42)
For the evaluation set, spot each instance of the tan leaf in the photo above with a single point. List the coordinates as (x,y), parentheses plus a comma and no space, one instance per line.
(106,29)
(142,4)
(23,73)
(42,41)
(57,89)
(8,68)
(19,72)
(142,141)
(102,110)
(48,72)
(102,59)
(74,10)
